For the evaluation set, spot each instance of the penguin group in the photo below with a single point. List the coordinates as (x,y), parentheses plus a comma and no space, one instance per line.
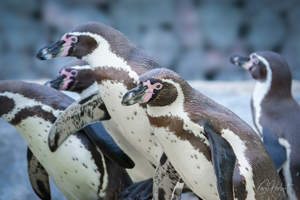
(159,138)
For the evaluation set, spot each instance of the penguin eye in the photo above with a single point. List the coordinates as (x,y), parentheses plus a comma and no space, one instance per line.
(158,86)
(74,39)
(74,73)
(255,61)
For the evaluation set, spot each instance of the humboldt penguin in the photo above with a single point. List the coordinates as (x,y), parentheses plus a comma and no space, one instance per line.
(79,169)
(117,63)
(276,114)
(77,76)
(216,153)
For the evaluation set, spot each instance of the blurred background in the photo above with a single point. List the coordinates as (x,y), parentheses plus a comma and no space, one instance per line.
(192,37)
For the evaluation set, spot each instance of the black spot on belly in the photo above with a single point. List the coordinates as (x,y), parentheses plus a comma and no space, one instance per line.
(84,165)
(65,172)
(78,187)
(163,159)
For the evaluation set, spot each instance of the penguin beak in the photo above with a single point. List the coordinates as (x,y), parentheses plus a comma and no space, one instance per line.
(136,95)
(241,61)
(53,50)
(57,83)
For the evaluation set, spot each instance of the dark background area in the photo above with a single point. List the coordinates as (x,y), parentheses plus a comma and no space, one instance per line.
(193,37)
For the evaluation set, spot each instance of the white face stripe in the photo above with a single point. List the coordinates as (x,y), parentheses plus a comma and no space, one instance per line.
(77,67)
(239,149)
(22,102)
(286,170)
(102,56)
(177,109)
(260,91)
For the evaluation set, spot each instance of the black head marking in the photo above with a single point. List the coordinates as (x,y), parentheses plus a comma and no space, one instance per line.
(6,105)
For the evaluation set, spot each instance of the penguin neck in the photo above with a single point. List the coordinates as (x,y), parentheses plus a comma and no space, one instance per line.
(261,89)
(92,88)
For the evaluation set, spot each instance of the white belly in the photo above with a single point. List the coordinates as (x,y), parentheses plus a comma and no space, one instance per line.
(143,169)
(193,167)
(66,165)
(132,121)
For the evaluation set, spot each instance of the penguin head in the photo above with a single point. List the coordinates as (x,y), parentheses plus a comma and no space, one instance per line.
(83,41)
(158,87)
(75,76)
(266,65)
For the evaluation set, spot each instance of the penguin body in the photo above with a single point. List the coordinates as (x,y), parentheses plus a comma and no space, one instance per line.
(78,169)
(276,114)
(216,154)
(77,76)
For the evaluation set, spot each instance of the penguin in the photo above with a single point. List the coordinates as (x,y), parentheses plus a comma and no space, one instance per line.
(79,169)
(275,113)
(117,63)
(77,76)
(215,153)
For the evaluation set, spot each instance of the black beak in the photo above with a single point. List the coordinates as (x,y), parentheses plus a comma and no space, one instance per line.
(51,51)
(134,96)
(56,83)
(239,60)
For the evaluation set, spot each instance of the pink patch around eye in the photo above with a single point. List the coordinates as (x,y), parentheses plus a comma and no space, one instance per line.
(68,78)
(67,45)
(150,89)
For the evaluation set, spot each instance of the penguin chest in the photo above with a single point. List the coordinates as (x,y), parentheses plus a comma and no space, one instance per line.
(132,121)
(71,167)
(191,164)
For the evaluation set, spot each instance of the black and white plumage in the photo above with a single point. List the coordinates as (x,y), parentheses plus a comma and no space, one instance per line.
(79,169)
(116,64)
(276,114)
(77,76)
(216,154)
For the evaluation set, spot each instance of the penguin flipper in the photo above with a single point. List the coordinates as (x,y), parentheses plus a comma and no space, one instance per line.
(275,149)
(79,114)
(98,135)
(38,177)
(223,161)
(140,190)
(165,179)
